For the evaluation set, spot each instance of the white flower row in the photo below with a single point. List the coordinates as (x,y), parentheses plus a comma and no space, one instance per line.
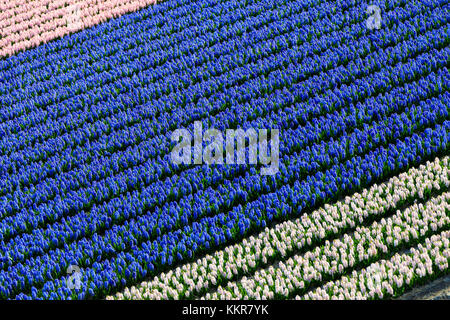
(333,258)
(197,277)
(390,278)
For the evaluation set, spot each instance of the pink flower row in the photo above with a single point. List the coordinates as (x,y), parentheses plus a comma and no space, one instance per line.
(389,278)
(26,25)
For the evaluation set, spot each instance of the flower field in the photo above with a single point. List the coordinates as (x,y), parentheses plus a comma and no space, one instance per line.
(359,207)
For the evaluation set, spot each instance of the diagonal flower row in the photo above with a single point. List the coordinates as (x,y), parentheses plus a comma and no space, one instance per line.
(28,25)
(390,278)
